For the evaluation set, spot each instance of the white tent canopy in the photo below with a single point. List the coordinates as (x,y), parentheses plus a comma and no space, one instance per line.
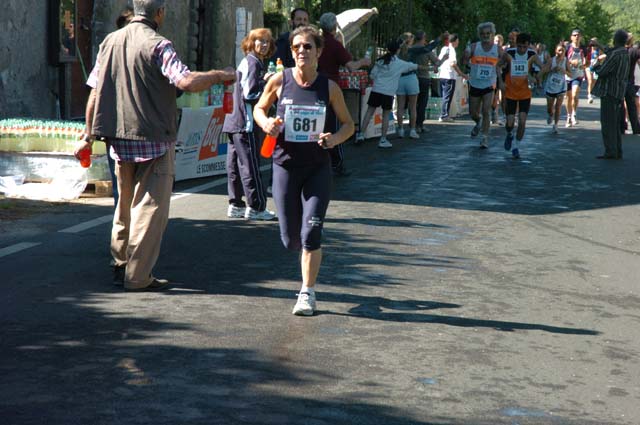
(350,21)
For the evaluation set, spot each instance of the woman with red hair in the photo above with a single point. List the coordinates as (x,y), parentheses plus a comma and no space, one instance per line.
(243,166)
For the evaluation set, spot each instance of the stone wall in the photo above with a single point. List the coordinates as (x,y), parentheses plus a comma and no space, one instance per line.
(25,75)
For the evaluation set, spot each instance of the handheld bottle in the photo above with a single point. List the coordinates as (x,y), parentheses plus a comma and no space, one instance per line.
(85,157)
(269,142)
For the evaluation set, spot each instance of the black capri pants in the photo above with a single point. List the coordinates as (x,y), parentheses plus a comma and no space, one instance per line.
(301,196)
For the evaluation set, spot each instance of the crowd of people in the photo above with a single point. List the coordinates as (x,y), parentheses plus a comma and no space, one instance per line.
(501,79)
(138,73)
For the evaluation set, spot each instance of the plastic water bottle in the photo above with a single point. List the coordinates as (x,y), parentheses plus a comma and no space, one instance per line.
(269,142)
(227,100)
(279,65)
(369,52)
(272,67)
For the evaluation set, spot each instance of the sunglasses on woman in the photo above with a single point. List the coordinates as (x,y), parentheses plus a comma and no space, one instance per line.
(305,46)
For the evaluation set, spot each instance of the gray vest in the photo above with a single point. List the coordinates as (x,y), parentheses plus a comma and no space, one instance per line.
(134,101)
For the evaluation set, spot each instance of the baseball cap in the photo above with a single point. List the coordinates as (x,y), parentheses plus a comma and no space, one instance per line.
(575,31)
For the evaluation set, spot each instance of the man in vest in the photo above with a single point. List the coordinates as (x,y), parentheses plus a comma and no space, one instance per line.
(133,106)
(483,58)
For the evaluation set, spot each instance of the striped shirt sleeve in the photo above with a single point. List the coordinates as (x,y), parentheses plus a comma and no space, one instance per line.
(170,64)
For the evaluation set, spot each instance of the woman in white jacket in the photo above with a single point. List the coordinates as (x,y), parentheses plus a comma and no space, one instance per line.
(386,76)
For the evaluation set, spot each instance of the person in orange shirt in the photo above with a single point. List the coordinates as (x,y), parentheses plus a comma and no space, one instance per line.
(518,62)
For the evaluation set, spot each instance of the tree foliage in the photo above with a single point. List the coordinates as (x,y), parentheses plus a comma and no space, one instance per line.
(549,21)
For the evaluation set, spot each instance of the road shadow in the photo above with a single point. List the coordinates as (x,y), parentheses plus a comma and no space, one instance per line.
(66,359)
(113,370)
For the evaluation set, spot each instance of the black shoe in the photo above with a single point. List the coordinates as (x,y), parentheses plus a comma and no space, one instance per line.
(155,285)
(118,275)
(341,171)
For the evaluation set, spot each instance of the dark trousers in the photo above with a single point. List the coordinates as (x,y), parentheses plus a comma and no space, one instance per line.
(423,99)
(447,87)
(610,116)
(632,110)
(302,197)
(243,172)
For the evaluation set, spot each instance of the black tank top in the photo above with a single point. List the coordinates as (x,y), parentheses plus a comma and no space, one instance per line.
(317,94)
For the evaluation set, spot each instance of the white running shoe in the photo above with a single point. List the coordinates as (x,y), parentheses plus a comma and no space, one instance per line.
(574,120)
(590,99)
(235,212)
(484,144)
(384,143)
(400,132)
(306,304)
(266,215)
(568,124)
(413,134)
(554,129)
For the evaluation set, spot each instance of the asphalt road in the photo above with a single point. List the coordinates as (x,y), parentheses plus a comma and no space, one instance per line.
(458,287)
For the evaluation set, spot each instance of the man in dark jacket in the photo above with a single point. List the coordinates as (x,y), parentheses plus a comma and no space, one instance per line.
(299,17)
(613,74)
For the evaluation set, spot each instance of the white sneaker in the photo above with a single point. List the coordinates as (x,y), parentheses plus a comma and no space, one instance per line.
(445,119)
(413,134)
(484,144)
(235,212)
(400,132)
(554,129)
(384,143)
(590,99)
(574,120)
(359,138)
(306,304)
(568,124)
(266,215)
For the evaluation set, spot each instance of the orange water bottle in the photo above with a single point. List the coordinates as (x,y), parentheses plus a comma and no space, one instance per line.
(269,142)
(227,100)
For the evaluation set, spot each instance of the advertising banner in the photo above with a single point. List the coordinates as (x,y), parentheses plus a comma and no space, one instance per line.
(201,149)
